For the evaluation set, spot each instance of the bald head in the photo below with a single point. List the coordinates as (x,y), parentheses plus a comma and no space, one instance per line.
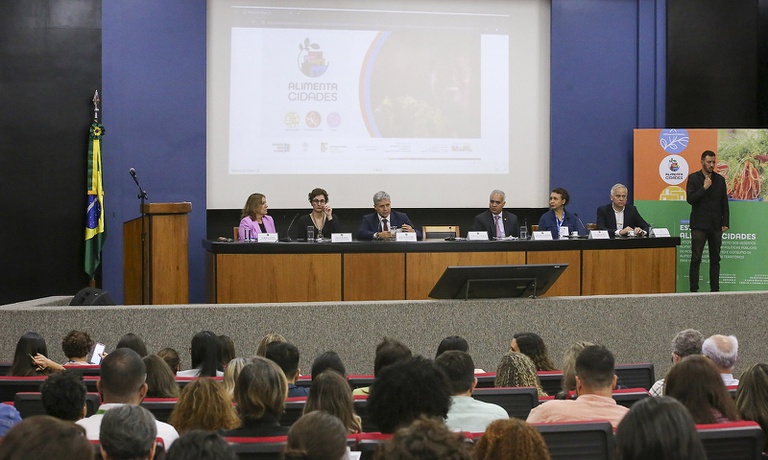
(722,350)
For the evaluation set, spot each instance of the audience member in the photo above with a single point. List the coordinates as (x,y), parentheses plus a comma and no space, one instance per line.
(425,438)
(63,395)
(382,224)
(161,382)
(724,352)
(695,382)
(76,345)
(407,389)
(201,445)
(317,435)
(453,342)
(517,370)
(204,405)
(511,439)
(658,429)
(328,360)
(227,350)
(171,357)
(260,394)
(206,356)
(122,383)
(497,222)
(687,342)
(286,355)
(231,373)
(128,433)
(466,413)
(266,340)
(388,351)
(330,392)
(532,346)
(9,417)
(45,437)
(30,347)
(568,382)
(595,380)
(752,397)
(134,342)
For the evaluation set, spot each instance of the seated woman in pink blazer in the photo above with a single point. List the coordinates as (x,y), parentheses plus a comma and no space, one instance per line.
(254,218)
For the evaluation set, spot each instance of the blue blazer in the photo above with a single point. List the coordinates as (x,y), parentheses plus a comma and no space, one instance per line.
(606,219)
(548,221)
(370,224)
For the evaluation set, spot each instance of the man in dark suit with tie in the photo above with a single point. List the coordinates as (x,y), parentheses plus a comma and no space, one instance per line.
(620,218)
(496,221)
(707,193)
(382,224)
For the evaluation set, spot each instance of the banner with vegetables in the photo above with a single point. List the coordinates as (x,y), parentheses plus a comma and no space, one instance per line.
(663,160)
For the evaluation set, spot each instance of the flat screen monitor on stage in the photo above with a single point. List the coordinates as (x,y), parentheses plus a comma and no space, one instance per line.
(496,281)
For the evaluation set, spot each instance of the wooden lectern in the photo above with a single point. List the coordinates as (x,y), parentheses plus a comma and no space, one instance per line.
(155,255)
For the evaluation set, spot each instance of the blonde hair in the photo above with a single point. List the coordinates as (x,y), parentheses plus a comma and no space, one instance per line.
(569,365)
(266,340)
(204,405)
(511,439)
(517,370)
(230,374)
(331,393)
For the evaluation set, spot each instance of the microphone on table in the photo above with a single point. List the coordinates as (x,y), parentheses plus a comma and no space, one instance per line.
(287,237)
(581,222)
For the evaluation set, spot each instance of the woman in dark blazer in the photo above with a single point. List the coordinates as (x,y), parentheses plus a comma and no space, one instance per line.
(557,218)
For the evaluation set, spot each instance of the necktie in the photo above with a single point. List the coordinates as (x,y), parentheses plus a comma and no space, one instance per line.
(384,226)
(499,231)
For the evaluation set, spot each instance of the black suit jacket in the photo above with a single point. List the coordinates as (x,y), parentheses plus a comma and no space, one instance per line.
(484,222)
(606,219)
(370,224)
(709,207)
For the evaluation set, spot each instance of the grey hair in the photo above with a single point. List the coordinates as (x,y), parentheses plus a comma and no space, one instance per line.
(379,196)
(722,350)
(499,192)
(616,187)
(687,342)
(128,432)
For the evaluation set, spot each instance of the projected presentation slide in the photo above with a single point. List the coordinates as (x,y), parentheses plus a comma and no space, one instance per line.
(368,92)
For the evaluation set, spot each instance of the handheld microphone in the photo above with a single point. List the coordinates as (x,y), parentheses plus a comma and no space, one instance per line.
(287,237)
(133,172)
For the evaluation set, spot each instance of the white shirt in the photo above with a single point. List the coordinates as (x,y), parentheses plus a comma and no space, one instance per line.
(469,414)
(92,426)
(195,373)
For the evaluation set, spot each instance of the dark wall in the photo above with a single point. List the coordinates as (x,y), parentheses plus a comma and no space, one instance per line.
(50,66)
(714,62)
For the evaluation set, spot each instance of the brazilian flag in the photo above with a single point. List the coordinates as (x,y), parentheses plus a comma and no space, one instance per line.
(95,230)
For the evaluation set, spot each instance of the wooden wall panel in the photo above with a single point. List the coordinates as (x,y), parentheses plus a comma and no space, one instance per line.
(244,278)
(569,282)
(423,269)
(374,276)
(640,271)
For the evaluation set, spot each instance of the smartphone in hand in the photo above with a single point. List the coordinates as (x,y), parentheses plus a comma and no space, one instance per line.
(98,349)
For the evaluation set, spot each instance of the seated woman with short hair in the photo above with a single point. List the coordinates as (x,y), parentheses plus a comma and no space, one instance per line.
(260,394)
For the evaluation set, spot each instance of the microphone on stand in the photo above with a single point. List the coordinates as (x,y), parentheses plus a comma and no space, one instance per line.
(581,222)
(142,192)
(287,237)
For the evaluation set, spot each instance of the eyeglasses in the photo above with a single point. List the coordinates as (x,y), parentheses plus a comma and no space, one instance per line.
(319,201)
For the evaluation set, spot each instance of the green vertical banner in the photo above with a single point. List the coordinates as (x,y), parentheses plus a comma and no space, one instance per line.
(663,160)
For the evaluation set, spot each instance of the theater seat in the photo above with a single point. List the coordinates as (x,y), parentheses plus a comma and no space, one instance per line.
(367,443)
(30,403)
(258,448)
(636,375)
(294,407)
(517,401)
(161,408)
(732,441)
(578,440)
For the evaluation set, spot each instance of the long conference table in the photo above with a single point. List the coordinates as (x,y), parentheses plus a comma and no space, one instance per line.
(239,272)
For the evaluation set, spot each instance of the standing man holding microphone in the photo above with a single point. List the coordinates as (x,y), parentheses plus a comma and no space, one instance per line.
(707,194)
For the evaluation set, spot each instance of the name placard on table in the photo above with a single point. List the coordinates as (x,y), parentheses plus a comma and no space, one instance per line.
(477,236)
(544,235)
(405,236)
(599,235)
(341,237)
(660,232)
(266,237)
